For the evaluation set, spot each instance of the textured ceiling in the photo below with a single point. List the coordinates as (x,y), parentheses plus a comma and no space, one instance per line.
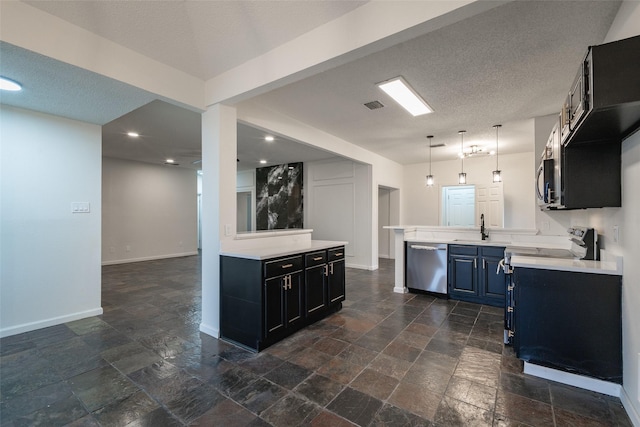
(201,38)
(512,63)
(507,65)
(53,87)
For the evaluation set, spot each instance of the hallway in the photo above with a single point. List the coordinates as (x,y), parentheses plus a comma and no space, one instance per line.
(384,359)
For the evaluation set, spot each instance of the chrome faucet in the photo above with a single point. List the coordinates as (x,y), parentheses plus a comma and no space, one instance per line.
(482,229)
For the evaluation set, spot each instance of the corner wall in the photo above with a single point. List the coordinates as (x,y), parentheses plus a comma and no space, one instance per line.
(149,211)
(49,256)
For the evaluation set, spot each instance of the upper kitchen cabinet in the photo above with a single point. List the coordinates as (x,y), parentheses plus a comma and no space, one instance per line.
(603,103)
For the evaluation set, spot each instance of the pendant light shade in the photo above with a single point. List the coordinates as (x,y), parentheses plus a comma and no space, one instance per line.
(429,181)
(497,177)
(462,177)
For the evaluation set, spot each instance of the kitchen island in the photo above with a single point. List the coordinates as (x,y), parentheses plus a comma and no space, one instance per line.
(269,292)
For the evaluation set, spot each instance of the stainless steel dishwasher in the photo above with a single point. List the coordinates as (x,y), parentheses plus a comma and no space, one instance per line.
(426,268)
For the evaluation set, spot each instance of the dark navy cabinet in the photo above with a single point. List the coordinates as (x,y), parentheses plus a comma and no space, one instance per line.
(569,321)
(283,304)
(335,275)
(315,283)
(474,275)
(263,301)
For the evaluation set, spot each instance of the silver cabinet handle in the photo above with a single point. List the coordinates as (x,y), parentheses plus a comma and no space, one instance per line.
(326,270)
(287,282)
(287,266)
(338,254)
(331,268)
(318,258)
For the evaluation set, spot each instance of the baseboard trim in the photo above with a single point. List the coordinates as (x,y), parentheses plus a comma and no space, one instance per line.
(593,384)
(362,267)
(209,330)
(632,412)
(53,321)
(149,258)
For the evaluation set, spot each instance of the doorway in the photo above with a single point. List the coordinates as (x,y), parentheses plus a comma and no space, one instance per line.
(388,214)
(243,212)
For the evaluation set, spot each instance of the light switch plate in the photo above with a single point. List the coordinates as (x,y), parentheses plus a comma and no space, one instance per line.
(80,207)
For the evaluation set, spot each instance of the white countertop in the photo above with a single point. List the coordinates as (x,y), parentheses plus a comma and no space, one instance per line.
(282,250)
(612,267)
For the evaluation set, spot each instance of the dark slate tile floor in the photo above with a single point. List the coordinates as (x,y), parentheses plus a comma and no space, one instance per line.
(384,360)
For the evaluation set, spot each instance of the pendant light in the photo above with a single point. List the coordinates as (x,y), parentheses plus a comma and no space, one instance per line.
(497,177)
(462,177)
(429,177)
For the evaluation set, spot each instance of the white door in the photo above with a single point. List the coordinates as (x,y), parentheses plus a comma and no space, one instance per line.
(490,202)
(459,205)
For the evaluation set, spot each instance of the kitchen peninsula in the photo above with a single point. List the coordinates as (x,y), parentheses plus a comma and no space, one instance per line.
(498,237)
(275,283)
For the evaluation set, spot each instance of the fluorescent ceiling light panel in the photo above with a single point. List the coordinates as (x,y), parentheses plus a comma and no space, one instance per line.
(398,89)
(133,134)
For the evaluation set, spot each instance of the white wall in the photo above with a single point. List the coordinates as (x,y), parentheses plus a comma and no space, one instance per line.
(384,172)
(337,206)
(627,24)
(50,257)
(149,211)
(422,204)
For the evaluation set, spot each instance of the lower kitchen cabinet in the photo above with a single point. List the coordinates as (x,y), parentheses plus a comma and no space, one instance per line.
(335,275)
(474,275)
(315,283)
(263,301)
(569,321)
(283,303)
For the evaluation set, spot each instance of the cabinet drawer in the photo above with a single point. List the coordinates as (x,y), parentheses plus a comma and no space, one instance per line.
(336,254)
(494,251)
(463,250)
(315,258)
(282,266)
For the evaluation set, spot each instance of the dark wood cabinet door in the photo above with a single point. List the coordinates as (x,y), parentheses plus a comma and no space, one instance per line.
(294,304)
(336,281)
(462,275)
(315,290)
(492,280)
(274,293)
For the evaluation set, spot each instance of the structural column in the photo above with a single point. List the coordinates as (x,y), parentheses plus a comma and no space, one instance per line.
(219,154)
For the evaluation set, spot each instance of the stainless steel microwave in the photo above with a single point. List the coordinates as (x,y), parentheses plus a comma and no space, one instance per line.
(548,177)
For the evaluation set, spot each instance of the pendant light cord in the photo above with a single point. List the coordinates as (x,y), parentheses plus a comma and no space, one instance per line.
(497,151)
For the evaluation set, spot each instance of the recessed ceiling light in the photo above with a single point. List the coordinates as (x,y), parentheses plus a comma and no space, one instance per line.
(262,162)
(170,161)
(133,134)
(269,138)
(10,85)
(398,89)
